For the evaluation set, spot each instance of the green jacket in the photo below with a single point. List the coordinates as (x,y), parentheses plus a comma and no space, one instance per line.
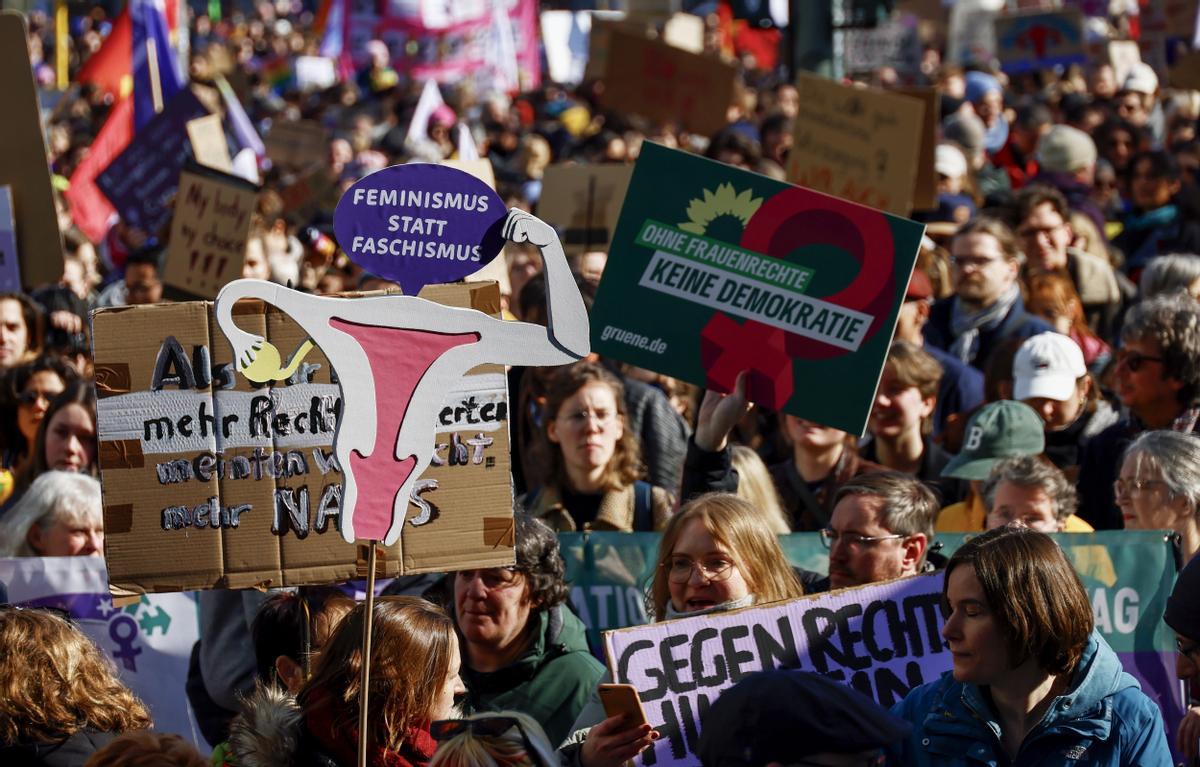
(550,682)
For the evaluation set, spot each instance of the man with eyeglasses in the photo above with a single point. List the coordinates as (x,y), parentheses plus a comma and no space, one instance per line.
(1158,383)
(882,527)
(1044,227)
(1183,616)
(986,309)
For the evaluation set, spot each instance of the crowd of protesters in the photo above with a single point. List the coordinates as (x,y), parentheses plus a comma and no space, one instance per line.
(1044,378)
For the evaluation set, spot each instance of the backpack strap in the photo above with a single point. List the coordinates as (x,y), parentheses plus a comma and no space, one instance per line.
(643,509)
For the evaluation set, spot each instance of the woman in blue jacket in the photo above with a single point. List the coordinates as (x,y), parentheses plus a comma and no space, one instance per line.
(1032,683)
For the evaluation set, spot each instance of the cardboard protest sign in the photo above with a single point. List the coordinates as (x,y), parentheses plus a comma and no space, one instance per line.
(971,38)
(296,144)
(661,82)
(208,143)
(23,160)
(584,202)
(847,143)
(420,224)
(925,193)
(10,267)
(1028,42)
(149,642)
(883,640)
(208,232)
(733,271)
(1186,72)
(212,482)
(141,181)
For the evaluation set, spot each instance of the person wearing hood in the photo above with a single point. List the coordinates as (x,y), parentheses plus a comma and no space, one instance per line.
(716,554)
(522,647)
(1032,682)
(987,98)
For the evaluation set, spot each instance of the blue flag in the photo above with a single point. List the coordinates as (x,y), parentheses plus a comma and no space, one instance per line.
(150,35)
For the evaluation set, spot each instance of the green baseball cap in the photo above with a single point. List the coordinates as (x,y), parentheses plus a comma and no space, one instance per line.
(996,431)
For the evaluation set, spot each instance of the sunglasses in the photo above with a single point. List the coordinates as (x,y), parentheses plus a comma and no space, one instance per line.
(1134,361)
(487,727)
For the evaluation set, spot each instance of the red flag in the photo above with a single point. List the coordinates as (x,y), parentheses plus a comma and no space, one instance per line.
(90,209)
(114,61)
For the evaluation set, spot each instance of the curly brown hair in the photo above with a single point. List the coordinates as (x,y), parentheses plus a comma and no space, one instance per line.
(148,749)
(625,466)
(55,682)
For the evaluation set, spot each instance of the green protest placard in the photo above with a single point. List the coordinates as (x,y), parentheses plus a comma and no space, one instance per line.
(714,270)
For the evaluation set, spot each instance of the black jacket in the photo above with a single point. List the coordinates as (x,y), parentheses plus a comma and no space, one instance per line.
(72,752)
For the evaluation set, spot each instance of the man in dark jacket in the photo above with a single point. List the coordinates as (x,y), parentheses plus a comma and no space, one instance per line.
(1158,381)
(986,309)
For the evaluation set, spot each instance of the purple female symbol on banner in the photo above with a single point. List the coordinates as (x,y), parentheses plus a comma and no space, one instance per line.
(420,224)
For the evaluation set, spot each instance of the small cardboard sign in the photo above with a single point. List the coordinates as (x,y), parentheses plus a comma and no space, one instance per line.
(212,482)
(420,224)
(141,181)
(10,266)
(1186,72)
(883,640)
(893,43)
(208,232)
(663,83)
(855,143)
(296,144)
(584,202)
(731,271)
(1029,42)
(209,147)
(925,193)
(23,159)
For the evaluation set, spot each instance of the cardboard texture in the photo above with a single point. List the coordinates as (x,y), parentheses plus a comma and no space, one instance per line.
(10,267)
(666,84)
(722,271)
(925,194)
(23,159)
(855,143)
(583,202)
(296,144)
(141,181)
(208,232)
(266,455)
(882,640)
(1028,42)
(1186,72)
(208,143)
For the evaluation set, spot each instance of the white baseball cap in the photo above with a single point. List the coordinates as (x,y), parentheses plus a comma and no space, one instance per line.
(1047,365)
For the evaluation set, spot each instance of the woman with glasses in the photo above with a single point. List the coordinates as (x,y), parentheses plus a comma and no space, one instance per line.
(1032,682)
(1159,486)
(592,468)
(503,739)
(28,391)
(60,698)
(716,554)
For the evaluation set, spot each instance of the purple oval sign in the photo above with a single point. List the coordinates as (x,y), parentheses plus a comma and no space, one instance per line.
(420,224)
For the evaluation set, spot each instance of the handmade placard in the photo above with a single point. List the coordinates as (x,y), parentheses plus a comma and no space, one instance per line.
(420,224)
(733,271)
(296,144)
(212,481)
(883,640)
(1029,42)
(407,352)
(209,147)
(846,143)
(209,230)
(583,202)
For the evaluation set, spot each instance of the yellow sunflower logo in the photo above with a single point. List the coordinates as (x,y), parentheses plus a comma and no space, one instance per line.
(725,201)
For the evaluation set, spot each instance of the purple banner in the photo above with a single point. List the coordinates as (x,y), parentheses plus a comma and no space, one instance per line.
(420,224)
(142,179)
(10,267)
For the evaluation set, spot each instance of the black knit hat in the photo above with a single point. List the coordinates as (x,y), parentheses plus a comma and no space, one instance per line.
(1183,607)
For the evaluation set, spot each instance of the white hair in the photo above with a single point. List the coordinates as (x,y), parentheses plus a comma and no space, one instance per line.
(55,496)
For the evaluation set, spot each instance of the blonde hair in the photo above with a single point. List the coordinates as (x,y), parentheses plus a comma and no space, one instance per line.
(54,682)
(754,547)
(472,749)
(53,497)
(756,487)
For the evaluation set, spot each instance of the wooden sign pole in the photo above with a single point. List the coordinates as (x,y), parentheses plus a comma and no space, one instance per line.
(365,682)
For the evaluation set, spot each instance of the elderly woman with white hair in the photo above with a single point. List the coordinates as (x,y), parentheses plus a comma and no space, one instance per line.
(59,516)
(1175,271)
(1159,486)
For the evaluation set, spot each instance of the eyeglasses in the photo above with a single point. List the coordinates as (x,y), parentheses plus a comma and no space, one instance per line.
(714,570)
(1134,361)
(1130,486)
(493,578)
(486,727)
(830,537)
(581,418)
(973,262)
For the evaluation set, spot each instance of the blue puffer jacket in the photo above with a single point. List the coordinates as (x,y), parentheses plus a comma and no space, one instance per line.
(1103,720)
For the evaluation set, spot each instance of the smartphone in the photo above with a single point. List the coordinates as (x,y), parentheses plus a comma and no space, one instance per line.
(623,700)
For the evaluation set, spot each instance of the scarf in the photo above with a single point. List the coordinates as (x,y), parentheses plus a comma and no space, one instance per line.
(342,743)
(1152,219)
(724,607)
(966,327)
